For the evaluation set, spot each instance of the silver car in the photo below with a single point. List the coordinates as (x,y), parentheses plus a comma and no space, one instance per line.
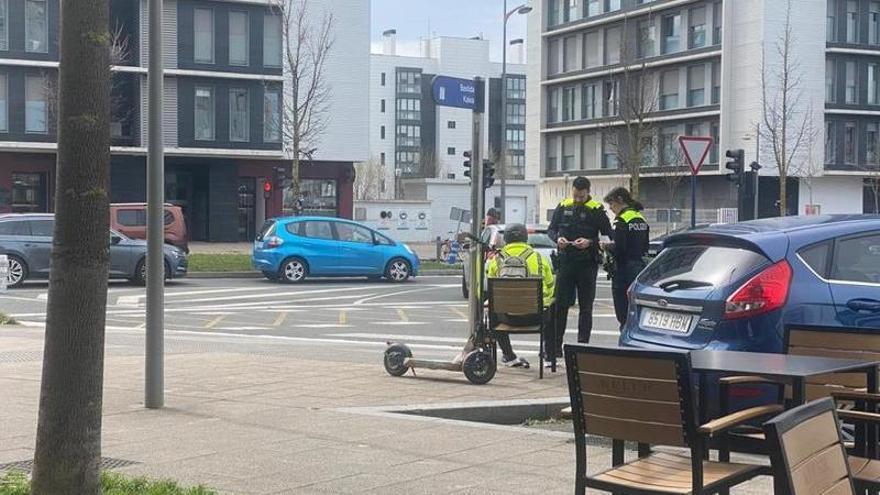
(27,241)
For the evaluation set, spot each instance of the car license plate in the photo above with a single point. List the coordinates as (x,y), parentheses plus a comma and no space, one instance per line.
(665,320)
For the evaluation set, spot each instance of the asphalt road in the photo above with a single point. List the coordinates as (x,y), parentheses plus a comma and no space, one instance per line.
(429,313)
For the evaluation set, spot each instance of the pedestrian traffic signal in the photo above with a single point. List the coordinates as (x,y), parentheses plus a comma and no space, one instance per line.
(467,164)
(267,189)
(488,174)
(736,165)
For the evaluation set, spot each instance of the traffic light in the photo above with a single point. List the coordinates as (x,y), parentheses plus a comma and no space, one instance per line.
(267,189)
(488,174)
(467,164)
(736,165)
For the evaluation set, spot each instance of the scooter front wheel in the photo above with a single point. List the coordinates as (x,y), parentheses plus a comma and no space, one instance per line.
(479,367)
(395,356)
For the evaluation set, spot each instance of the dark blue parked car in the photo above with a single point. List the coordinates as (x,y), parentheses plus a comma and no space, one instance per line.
(736,286)
(291,249)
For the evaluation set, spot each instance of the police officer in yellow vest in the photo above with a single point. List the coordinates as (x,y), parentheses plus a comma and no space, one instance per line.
(575,226)
(630,243)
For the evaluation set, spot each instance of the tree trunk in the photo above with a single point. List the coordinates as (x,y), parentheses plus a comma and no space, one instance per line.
(783,196)
(295,189)
(68,448)
(634,183)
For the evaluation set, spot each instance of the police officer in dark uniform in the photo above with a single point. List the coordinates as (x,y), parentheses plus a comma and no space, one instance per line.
(628,247)
(575,226)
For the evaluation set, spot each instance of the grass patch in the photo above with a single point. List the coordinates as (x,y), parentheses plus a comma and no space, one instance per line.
(438,265)
(5,319)
(17,483)
(220,262)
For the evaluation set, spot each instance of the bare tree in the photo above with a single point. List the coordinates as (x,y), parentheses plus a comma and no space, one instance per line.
(369,177)
(872,171)
(786,116)
(307,42)
(68,446)
(632,97)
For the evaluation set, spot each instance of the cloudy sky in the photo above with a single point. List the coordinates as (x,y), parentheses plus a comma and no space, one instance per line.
(416,19)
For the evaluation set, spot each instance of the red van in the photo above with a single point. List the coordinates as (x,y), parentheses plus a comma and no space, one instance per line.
(131,220)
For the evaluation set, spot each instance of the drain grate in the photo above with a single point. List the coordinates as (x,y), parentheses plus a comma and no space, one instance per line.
(20,356)
(28,465)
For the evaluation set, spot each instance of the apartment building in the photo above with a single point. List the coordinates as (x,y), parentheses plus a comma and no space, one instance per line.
(419,146)
(222,109)
(696,65)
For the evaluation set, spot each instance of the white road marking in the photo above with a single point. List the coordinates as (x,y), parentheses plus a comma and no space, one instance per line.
(322,325)
(232,329)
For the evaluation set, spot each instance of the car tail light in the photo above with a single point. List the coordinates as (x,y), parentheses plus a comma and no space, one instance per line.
(765,292)
(274,242)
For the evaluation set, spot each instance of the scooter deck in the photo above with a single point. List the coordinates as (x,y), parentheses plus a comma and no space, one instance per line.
(431,365)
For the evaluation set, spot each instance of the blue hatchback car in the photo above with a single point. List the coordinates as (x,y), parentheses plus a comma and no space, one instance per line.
(735,287)
(291,249)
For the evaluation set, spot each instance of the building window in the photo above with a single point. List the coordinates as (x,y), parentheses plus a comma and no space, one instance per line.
(569,54)
(831,21)
(203,29)
(272,36)
(589,101)
(239,116)
(450,124)
(717,19)
(382,105)
(669,90)
(594,7)
(516,114)
(874,23)
(552,13)
(382,77)
(272,116)
(849,143)
(611,91)
(873,80)
(568,104)
(872,145)
(612,45)
(696,86)
(589,151)
(716,82)
(672,33)
(382,132)
(572,10)
(239,40)
(516,166)
(204,118)
(36,105)
(4,25)
(669,146)
(610,160)
(409,82)
(613,6)
(697,27)
(830,143)
(4,104)
(553,54)
(516,88)
(592,53)
(851,90)
(647,41)
(409,109)
(552,153)
(553,106)
(36,26)
(830,81)
(409,136)
(568,152)
(516,139)
(450,150)
(715,132)
(852,21)
(382,158)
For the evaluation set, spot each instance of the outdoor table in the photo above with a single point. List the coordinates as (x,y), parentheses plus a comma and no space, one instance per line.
(788,368)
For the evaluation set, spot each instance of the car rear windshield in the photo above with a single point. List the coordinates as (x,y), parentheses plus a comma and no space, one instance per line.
(701,267)
(541,240)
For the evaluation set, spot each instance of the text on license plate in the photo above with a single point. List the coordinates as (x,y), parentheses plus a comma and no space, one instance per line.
(665,320)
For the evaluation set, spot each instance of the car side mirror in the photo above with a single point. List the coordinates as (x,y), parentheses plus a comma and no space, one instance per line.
(115,239)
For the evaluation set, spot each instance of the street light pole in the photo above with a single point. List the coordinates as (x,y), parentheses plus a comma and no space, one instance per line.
(502,165)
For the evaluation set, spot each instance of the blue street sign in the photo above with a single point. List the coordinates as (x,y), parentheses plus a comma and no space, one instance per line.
(454,92)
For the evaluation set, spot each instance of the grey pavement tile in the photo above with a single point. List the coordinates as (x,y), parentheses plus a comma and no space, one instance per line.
(16,454)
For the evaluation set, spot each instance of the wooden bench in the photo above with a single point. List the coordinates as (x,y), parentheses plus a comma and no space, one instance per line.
(648,397)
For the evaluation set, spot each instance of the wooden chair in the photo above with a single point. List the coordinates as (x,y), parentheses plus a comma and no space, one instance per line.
(862,458)
(807,451)
(516,306)
(805,340)
(647,397)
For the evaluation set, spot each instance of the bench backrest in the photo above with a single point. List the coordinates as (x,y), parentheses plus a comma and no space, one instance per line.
(807,452)
(845,343)
(628,394)
(516,296)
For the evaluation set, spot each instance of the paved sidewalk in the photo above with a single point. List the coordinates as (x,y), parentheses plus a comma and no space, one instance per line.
(257,418)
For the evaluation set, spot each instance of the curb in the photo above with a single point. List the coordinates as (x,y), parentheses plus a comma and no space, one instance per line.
(224,275)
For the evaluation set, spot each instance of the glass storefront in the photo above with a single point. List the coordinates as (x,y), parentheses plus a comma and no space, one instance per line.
(319,198)
(29,193)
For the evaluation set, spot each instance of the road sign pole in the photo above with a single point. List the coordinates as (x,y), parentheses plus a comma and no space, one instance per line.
(475,302)
(695,149)
(693,201)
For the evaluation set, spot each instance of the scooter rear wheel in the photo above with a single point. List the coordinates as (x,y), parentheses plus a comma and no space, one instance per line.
(479,367)
(395,355)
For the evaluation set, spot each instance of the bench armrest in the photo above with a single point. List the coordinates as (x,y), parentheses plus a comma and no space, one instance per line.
(720,425)
(858,416)
(746,379)
(856,395)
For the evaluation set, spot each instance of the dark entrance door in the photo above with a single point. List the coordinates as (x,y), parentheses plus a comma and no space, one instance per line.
(247,200)
(29,193)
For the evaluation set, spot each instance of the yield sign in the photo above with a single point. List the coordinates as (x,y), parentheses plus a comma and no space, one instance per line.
(695,149)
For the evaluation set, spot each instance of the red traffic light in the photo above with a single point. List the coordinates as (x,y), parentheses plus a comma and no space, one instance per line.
(267,187)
